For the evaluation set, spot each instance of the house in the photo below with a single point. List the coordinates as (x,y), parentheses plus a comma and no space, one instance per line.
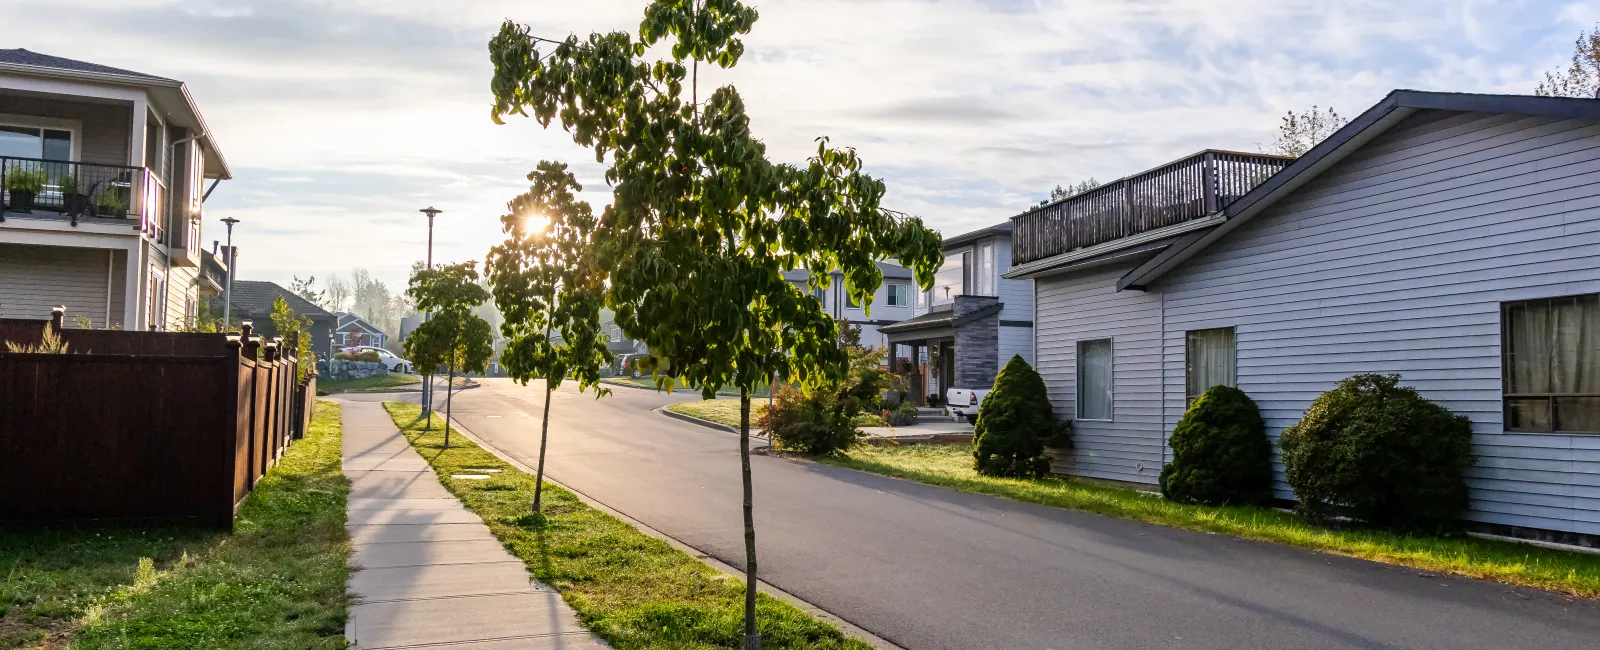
(891,303)
(351,330)
(1451,238)
(253,300)
(102,173)
(970,323)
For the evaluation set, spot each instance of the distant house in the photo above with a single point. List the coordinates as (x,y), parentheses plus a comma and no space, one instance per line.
(1451,238)
(970,323)
(351,330)
(103,178)
(891,303)
(252,300)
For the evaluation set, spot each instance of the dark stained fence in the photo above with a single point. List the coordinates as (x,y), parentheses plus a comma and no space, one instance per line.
(1180,191)
(179,435)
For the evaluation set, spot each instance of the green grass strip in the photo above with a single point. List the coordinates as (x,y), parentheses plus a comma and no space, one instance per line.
(374,383)
(720,411)
(1576,574)
(277,582)
(631,589)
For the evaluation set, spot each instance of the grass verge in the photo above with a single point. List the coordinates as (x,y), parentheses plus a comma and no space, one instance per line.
(277,582)
(373,383)
(633,590)
(1576,574)
(726,411)
(646,382)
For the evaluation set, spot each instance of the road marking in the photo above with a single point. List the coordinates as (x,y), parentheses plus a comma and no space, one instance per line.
(491,416)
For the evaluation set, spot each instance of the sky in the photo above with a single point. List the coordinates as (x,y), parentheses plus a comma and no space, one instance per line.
(342,118)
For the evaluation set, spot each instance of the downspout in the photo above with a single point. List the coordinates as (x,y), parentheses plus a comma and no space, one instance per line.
(1163,383)
(111,274)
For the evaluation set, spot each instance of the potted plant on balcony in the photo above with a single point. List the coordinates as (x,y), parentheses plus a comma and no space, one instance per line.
(73,200)
(110,203)
(22,185)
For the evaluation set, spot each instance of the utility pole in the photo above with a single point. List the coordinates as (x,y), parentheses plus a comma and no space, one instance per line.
(427,386)
(227,290)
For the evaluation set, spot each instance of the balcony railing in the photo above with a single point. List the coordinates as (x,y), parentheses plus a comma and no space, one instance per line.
(1179,191)
(83,190)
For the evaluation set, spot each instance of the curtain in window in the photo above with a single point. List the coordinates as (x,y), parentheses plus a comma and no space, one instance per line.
(1094,380)
(1210,360)
(1553,364)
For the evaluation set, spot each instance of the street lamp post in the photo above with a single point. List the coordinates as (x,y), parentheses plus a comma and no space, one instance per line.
(227,289)
(427,388)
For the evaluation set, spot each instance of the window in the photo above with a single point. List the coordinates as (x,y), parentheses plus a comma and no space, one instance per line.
(1210,360)
(1551,364)
(1094,380)
(850,301)
(157,297)
(188,311)
(821,294)
(899,295)
(983,275)
(35,142)
(951,279)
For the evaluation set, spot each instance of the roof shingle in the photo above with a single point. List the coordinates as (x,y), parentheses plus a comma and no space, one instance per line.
(20,56)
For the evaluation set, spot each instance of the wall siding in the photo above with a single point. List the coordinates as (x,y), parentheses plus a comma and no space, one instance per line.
(106,130)
(34,279)
(1087,306)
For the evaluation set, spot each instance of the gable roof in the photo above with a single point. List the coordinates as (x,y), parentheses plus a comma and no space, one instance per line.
(351,318)
(1372,123)
(256,299)
(21,56)
(1003,228)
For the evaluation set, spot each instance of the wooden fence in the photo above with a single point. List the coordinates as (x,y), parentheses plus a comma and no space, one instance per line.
(143,425)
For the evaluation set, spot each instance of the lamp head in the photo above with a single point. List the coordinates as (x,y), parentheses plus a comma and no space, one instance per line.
(430,211)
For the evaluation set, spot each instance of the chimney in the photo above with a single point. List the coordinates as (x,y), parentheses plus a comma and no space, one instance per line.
(214,245)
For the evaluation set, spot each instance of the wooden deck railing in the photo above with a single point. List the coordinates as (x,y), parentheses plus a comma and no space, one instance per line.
(1173,193)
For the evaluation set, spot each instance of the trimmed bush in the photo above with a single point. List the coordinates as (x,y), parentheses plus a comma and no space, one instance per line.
(1381,453)
(1015,425)
(1220,452)
(815,425)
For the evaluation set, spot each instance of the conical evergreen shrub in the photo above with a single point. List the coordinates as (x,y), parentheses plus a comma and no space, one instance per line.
(1015,425)
(1220,452)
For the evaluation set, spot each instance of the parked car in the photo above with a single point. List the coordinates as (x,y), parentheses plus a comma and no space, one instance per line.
(964,402)
(389,360)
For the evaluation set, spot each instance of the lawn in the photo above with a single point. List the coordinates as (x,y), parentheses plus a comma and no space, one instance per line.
(1520,564)
(374,383)
(720,411)
(277,582)
(633,590)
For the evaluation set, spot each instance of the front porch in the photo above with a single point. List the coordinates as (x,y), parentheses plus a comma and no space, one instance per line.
(954,346)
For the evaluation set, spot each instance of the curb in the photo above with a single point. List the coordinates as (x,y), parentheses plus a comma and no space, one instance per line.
(850,629)
(700,421)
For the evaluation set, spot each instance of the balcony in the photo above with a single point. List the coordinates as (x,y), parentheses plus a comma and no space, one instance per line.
(1184,190)
(83,192)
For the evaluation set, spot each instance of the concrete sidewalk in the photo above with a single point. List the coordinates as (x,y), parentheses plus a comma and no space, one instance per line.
(429,573)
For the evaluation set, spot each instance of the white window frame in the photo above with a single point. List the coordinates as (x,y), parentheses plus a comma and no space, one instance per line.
(904,289)
(30,122)
(1188,362)
(983,270)
(1111,381)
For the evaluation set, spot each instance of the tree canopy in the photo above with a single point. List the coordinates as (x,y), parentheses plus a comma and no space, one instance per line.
(1582,77)
(1299,132)
(453,335)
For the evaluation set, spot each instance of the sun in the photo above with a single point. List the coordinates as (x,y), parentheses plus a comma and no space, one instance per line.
(536,223)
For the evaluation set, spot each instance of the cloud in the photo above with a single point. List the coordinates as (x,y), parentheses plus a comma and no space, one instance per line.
(342,117)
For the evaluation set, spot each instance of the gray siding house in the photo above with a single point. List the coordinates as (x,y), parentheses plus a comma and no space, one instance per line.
(970,323)
(891,303)
(1451,238)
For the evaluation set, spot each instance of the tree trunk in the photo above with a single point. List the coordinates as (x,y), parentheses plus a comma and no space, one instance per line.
(544,437)
(427,401)
(752,640)
(448,387)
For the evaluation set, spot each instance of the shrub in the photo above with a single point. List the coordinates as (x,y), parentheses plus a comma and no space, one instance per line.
(363,355)
(1220,452)
(1015,425)
(814,424)
(1379,452)
(902,414)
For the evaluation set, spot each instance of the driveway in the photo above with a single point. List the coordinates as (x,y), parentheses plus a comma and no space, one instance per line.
(931,569)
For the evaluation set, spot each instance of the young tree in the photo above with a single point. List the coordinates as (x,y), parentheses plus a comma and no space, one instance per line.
(1063,192)
(336,295)
(1582,78)
(701,224)
(287,322)
(454,333)
(546,281)
(1299,132)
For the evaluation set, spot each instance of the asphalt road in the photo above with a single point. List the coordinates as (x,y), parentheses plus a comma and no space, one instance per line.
(931,569)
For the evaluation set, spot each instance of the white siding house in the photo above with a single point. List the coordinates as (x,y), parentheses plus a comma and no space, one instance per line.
(1409,243)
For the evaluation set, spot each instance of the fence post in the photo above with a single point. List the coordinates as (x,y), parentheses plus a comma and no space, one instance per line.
(1208,178)
(58,315)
